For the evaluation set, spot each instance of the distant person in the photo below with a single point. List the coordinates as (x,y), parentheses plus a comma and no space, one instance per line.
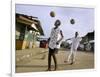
(54,42)
(75,43)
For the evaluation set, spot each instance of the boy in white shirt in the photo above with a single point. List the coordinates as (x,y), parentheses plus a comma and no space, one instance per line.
(75,43)
(54,41)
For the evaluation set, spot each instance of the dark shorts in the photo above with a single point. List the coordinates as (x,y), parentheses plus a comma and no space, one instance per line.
(53,51)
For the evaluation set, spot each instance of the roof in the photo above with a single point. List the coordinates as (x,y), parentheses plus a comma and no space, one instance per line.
(90,34)
(29,20)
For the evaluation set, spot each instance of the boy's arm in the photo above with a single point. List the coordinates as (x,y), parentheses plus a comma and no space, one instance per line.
(50,35)
(48,39)
(61,37)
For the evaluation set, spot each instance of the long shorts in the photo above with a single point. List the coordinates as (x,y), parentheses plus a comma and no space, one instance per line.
(53,51)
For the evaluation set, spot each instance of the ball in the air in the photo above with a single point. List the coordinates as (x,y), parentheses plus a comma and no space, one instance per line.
(72,21)
(52,14)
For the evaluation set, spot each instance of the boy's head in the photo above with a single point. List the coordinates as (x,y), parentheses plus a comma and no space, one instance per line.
(57,23)
(76,34)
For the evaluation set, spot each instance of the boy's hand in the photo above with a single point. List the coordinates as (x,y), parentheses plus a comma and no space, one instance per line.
(57,42)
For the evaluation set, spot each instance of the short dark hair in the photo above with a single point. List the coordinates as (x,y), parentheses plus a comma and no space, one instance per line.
(58,22)
(76,33)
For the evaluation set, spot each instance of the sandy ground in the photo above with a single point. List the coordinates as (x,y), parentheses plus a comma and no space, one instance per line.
(35,60)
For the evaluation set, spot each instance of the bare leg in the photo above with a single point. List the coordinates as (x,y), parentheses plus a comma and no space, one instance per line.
(55,61)
(49,62)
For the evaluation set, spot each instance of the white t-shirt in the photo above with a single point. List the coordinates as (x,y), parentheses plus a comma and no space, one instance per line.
(54,38)
(75,42)
(58,45)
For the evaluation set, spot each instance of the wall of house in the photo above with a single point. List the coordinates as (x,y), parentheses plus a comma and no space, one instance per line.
(20,34)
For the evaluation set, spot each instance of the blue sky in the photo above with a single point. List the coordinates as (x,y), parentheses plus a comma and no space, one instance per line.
(84,18)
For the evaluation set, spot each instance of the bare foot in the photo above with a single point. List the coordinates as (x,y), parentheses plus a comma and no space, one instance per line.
(65,61)
(48,70)
(72,63)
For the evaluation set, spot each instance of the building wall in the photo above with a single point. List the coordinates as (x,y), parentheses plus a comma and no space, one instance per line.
(25,39)
(20,32)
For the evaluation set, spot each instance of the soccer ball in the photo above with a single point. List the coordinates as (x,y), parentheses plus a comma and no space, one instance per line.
(52,14)
(72,21)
